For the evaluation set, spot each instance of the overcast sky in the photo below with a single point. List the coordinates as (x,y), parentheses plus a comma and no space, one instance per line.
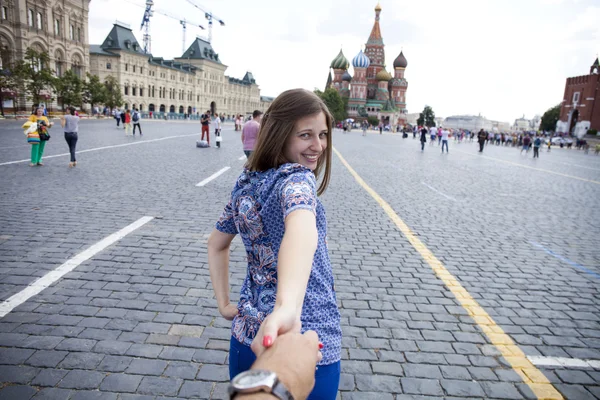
(500,58)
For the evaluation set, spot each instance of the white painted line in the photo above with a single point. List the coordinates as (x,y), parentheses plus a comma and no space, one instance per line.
(564,362)
(580,166)
(104,148)
(437,191)
(54,275)
(213,176)
(242,158)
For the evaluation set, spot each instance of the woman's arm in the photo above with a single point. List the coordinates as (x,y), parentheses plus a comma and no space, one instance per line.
(218,264)
(294,264)
(63,121)
(295,260)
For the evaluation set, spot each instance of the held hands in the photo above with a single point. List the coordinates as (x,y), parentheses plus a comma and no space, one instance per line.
(293,357)
(283,319)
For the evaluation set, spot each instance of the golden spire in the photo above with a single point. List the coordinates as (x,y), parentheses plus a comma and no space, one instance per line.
(378,7)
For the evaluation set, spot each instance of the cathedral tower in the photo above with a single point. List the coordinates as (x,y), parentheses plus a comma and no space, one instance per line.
(358,93)
(399,83)
(339,65)
(374,49)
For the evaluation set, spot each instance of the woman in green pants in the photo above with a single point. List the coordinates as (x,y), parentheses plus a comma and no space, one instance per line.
(37,150)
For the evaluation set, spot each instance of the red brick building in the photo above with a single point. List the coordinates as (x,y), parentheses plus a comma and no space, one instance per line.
(580,108)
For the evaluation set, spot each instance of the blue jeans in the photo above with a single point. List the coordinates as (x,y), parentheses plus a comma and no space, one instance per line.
(327,377)
(444,143)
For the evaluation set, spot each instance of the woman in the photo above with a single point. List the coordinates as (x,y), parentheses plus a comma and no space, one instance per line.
(127,122)
(275,209)
(37,149)
(70,123)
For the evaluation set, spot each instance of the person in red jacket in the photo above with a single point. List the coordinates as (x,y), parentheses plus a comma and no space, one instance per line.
(127,123)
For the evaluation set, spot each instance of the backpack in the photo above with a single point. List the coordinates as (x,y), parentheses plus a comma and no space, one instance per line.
(136,117)
(538,142)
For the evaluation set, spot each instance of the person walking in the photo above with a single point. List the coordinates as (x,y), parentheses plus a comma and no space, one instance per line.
(70,124)
(537,143)
(526,144)
(364,125)
(217,126)
(432,134)
(444,137)
(117,115)
(37,148)
(481,138)
(276,209)
(381,128)
(423,137)
(135,118)
(123,117)
(250,133)
(127,122)
(205,121)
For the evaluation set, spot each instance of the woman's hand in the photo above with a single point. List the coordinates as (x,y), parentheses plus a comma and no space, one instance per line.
(282,320)
(229,311)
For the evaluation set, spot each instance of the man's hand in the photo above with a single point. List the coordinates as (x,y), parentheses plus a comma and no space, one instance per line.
(293,357)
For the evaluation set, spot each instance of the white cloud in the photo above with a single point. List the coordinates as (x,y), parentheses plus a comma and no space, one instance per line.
(503,59)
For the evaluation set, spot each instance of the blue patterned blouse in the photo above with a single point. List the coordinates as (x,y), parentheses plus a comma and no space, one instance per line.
(259,203)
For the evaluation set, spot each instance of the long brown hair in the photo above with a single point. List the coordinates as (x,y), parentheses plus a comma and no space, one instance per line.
(277,127)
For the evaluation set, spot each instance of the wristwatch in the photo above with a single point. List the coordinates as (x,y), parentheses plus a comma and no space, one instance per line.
(258,380)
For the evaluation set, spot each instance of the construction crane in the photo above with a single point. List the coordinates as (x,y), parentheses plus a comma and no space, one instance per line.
(149,12)
(209,16)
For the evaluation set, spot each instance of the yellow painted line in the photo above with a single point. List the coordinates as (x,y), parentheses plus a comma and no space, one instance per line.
(528,167)
(536,381)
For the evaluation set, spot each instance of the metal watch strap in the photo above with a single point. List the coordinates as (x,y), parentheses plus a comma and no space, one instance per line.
(280,391)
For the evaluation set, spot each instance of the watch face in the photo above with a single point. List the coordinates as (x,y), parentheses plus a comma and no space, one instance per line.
(254,378)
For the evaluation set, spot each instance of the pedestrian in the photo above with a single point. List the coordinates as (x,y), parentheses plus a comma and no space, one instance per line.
(250,133)
(70,123)
(537,143)
(127,122)
(381,128)
(365,125)
(123,118)
(217,126)
(481,138)
(117,115)
(37,147)
(136,121)
(423,138)
(526,144)
(275,208)
(432,134)
(205,121)
(444,137)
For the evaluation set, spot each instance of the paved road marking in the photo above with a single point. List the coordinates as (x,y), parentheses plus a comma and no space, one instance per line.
(564,259)
(213,176)
(580,166)
(54,275)
(242,158)
(564,362)
(104,148)
(527,166)
(437,191)
(537,382)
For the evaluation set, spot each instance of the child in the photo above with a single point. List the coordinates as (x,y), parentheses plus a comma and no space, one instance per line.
(217,124)
(275,208)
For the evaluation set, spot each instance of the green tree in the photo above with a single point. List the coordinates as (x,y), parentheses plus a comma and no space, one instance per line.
(550,118)
(373,120)
(9,84)
(69,89)
(35,77)
(114,98)
(427,117)
(334,103)
(94,91)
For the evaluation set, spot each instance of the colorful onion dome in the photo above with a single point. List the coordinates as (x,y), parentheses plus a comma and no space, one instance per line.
(361,60)
(383,75)
(346,77)
(400,61)
(340,62)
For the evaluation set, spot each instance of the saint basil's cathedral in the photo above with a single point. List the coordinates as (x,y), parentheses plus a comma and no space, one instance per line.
(372,91)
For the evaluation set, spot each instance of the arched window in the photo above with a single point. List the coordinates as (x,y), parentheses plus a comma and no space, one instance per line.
(58,62)
(30,17)
(39,21)
(76,65)
(5,52)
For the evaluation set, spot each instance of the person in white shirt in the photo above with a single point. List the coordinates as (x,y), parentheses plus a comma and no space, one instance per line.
(445,134)
(433,134)
(217,124)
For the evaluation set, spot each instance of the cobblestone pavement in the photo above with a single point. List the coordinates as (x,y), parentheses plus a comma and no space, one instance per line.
(138,319)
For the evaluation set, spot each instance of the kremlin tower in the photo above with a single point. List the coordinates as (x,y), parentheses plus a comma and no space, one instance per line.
(372,91)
